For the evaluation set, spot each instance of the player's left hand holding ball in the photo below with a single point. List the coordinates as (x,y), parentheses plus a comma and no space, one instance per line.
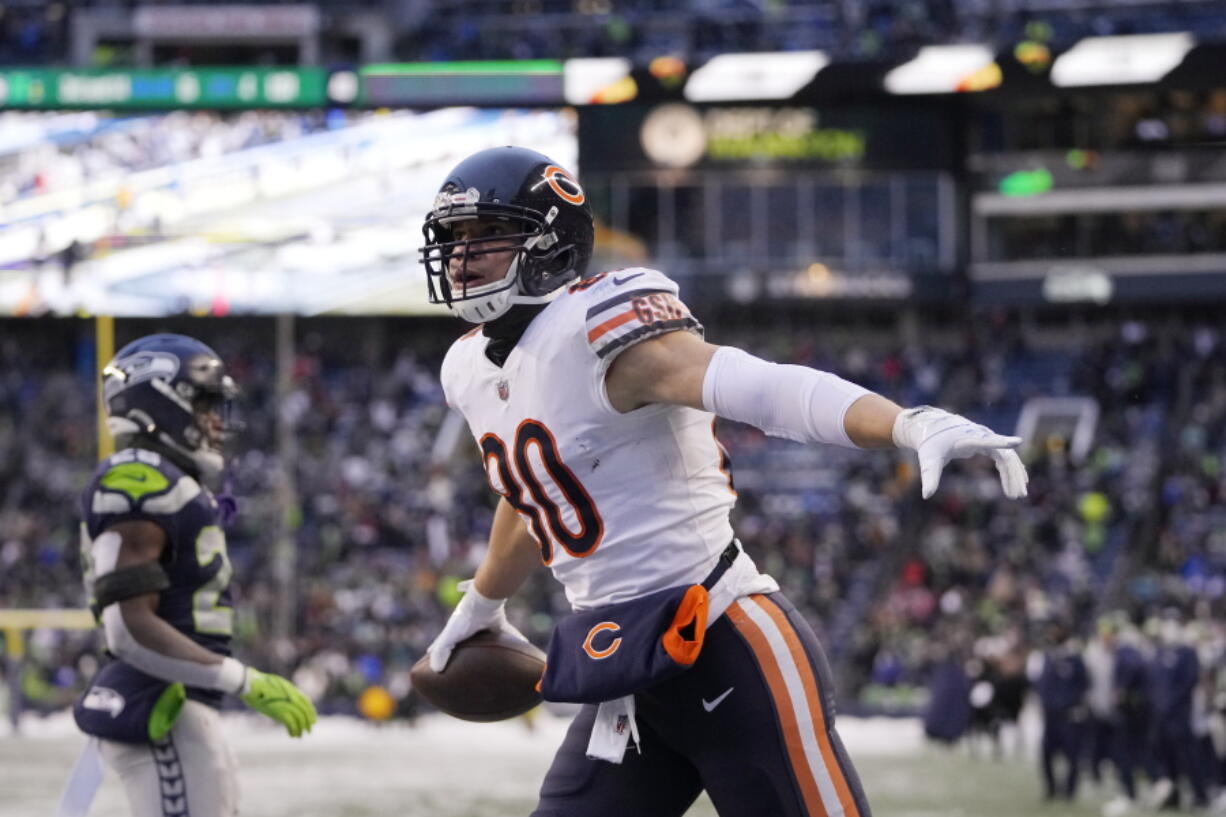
(473,614)
(938,437)
(280,700)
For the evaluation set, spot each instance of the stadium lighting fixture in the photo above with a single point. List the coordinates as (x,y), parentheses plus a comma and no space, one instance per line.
(731,77)
(597,80)
(938,69)
(1125,60)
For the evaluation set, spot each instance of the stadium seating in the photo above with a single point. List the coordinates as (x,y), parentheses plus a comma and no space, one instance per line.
(887,578)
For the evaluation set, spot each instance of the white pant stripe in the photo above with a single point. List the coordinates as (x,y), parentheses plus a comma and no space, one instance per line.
(800,704)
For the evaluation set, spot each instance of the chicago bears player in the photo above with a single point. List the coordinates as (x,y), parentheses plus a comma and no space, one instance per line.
(592,401)
(158,575)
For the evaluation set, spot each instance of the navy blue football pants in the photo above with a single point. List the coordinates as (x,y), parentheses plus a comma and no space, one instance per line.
(1062,735)
(752,723)
(1176,749)
(1132,750)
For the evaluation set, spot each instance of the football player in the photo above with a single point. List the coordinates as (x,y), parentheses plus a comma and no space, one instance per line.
(158,576)
(592,400)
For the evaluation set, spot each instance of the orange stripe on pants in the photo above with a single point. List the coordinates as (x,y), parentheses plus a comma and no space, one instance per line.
(783,705)
(809,682)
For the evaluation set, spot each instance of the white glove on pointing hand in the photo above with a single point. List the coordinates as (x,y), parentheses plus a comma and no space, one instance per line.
(938,437)
(473,614)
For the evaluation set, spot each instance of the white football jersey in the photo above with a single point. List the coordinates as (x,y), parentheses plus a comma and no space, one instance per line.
(621,504)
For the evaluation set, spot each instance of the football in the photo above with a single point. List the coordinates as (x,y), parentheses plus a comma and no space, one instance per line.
(490,677)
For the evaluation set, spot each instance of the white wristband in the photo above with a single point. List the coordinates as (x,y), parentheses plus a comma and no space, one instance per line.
(233,677)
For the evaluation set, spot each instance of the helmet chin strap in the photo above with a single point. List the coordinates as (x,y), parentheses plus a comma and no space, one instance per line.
(483,308)
(211,464)
(207,462)
(536,299)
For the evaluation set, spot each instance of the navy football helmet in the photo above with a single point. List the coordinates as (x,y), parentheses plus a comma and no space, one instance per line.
(171,393)
(550,224)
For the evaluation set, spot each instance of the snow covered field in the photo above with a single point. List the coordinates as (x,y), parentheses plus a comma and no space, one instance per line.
(448,768)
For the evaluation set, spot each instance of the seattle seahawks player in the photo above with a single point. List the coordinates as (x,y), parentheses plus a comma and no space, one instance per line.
(592,402)
(158,575)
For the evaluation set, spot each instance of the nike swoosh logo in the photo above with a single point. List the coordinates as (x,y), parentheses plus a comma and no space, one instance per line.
(710,705)
(619,281)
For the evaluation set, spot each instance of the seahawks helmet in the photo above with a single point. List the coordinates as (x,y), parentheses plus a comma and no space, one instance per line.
(158,391)
(551,223)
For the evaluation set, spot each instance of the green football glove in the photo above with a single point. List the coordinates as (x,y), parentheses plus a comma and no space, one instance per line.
(280,700)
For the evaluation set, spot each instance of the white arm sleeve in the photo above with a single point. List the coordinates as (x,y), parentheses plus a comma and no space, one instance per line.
(793,402)
(228,676)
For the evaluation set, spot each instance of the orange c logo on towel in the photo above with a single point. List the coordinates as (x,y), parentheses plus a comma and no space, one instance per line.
(603,627)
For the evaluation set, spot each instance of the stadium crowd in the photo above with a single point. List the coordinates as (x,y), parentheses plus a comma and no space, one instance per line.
(1111,234)
(913,599)
(478,29)
(430,30)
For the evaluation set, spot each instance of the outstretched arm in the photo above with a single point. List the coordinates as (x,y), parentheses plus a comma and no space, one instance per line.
(801,404)
(673,368)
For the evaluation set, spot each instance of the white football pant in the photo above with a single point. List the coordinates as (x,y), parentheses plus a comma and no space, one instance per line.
(191,772)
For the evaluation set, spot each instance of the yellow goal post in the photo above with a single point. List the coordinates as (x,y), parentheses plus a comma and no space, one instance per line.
(14,623)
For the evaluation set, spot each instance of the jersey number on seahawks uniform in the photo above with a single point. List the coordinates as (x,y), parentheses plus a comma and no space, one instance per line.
(549,484)
(208,615)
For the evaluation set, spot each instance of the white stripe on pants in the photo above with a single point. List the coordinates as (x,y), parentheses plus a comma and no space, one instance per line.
(192,773)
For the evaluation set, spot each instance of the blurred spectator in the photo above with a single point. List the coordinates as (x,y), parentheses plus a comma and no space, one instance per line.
(475,29)
(1132,744)
(383,529)
(431,30)
(1061,683)
(1174,675)
(1099,659)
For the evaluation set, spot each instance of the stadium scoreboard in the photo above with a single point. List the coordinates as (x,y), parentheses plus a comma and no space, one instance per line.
(440,84)
(393,85)
(46,89)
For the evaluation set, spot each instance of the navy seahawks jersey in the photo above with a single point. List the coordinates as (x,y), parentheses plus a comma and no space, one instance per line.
(139,484)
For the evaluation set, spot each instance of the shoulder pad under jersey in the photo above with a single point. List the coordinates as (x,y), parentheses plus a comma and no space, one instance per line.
(630,305)
(140,482)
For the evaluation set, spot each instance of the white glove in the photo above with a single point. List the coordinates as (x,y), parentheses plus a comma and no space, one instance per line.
(473,614)
(938,437)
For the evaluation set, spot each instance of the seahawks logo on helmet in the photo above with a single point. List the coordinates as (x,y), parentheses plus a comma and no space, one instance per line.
(124,372)
(160,392)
